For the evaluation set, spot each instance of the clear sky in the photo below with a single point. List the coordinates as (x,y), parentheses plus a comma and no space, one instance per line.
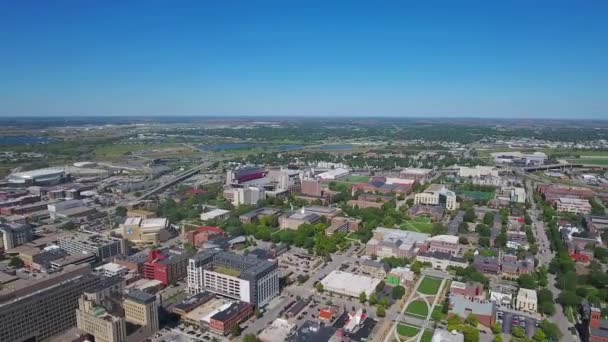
(528,58)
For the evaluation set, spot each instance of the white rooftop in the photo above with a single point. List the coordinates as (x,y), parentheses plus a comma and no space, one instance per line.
(349,283)
(444,238)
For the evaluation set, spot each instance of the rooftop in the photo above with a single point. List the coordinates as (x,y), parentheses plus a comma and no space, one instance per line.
(345,282)
(141,297)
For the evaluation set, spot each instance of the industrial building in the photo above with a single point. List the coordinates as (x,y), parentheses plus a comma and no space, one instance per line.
(245,278)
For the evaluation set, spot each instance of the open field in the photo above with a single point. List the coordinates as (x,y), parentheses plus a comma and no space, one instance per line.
(418,308)
(589,161)
(126,149)
(478,195)
(429,285)
(420,224)
(407,330)
(357,179)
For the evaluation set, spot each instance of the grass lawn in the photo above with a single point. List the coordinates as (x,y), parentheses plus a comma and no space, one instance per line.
(590,161)
(478,195)
(124,149)
(357,179)
(427,336)
(429,286)
(418,308)
(407,330)
(420,224)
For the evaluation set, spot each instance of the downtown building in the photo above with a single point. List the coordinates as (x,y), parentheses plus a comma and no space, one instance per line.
(38,309)
(245,278)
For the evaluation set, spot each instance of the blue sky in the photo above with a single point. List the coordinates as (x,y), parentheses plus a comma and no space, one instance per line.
(369,58)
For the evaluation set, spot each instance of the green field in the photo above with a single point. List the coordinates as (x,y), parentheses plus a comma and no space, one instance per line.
(477,195)
(429,286)
(407,330)
(418,308)
(357,179)
(124,149)
(427,336)
(590,161)
(420,224)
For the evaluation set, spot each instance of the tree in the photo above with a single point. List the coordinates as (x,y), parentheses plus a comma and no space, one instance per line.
(518,332)
(470,333)
(472,320)
(539,335)
(545,302)
(398,292)
(551,330)
(488,219)
(380,311)
(120,211)
(373,299)
(416,267)
(235,330)
(362,297)
(469,215)
(496,328)
(319,287)
(15,262)
(250,338)
(527,281)
(497,338)
(484,242)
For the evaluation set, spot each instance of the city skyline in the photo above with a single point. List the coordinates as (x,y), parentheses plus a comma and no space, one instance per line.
(274,59)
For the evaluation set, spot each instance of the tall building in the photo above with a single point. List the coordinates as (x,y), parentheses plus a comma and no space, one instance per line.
(100,312)
(248,195)
(246,278)
(15,234)
(141,308)
(37,309)
(167,265)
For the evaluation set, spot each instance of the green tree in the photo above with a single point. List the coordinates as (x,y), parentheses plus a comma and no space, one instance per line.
(497,328)
(527,281)
(497,338)
(551,330)
(15,262)
(472,320)
(120,211)
(380,311)
(373,299)
(319,287)
(380,286)
(235,330)
(250,338)
(398,292)
(362,297)
(470,333)
(518,332)
(539,336)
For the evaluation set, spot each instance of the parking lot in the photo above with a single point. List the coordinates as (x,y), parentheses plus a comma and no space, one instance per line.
(298,264)
(509,320)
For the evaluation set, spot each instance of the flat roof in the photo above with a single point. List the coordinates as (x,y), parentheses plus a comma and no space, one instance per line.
(206,310)
(141,297)
(349,283)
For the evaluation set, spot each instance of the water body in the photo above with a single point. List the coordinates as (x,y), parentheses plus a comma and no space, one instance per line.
(342,147)
(246,146)
(24,140)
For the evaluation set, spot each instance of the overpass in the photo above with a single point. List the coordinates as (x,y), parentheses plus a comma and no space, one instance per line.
(561,167)
(178,178)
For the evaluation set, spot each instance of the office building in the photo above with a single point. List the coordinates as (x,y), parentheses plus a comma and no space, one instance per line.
(15,234)
(141,308)
(57,208)
(437,194)
(306,215)
(444,244)
(245,278)
(250,195)
(37,309)
(167,265)
(349,284)
(101,246)
(100,312)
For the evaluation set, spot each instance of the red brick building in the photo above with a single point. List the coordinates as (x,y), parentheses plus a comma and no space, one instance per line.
(201,235)
(598,327)
(167,265)
(223,321)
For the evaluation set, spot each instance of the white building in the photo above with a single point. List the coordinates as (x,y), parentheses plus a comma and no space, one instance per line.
(349,284)
(57,207)
(112,269)
(478,171)
(248,195)
(526,300)
(333,174)
(437,194)
(215,214)
(512,194)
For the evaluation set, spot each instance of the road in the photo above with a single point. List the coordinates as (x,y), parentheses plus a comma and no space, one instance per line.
(545,255)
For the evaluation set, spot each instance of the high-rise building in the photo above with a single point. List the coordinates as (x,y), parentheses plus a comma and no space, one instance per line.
(141,308)
(246,278)
(100,312)
(37,309)
(15,234)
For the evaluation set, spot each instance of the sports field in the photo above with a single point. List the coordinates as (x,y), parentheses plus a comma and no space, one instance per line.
(407,330)
(418,308)
(477,195)
(429,285)
(419,224)
(357,179)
